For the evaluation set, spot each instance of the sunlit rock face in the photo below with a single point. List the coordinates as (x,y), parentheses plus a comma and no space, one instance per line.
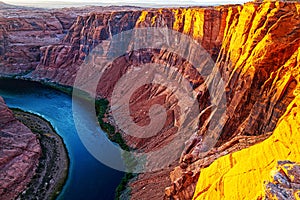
(266,86)
(19,154)
(254,47)
(256,172)
(204,25)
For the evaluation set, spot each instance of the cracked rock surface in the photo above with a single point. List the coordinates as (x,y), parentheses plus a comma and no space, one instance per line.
(19,154)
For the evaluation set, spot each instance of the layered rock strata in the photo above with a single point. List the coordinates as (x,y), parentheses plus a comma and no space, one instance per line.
(25,32)
(255,48)
(22,32)
(259,63)
(245,174)
(19,154)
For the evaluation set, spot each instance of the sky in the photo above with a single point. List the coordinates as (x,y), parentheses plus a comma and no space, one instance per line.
(56,3)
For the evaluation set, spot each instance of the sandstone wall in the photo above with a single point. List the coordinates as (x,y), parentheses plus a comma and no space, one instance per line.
(19,154)
(254,47)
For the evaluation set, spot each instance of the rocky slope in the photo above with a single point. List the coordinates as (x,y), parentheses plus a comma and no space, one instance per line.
(19,154)
(255,48)
(245,174)
(90,30)
(22,32)
(25,31)
(285,183)
(258,60)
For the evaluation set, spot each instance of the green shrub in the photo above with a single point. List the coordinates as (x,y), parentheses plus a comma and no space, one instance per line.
(122,186)
(101,107)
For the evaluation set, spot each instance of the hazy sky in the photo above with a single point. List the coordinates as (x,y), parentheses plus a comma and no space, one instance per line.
(56,3)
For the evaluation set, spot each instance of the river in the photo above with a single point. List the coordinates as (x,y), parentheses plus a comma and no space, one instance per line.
(88,178)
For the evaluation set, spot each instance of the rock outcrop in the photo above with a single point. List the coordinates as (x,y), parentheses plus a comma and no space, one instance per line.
(285,182)
(25,32)
(243,174)
(90,30)
(22,32)
(19,154)
(259,63)
(254,46)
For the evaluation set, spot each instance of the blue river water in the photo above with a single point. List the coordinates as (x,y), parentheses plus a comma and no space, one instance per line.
(88,179)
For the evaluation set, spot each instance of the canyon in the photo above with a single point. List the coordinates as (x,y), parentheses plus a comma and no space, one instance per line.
(254,46)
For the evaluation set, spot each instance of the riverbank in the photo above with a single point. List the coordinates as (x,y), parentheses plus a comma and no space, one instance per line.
(52,171)
(102,111)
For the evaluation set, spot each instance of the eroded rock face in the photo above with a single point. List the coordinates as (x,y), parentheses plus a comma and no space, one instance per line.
(90,30)
(255,49)
(285,183)
(258,63)
(22,33)
(246,174)
(26,32)
(19,154)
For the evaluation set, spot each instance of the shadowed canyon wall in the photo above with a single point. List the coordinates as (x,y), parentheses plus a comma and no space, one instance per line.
(254,46)
(25,32)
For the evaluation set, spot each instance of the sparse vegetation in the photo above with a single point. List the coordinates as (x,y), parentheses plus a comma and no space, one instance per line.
(122,186)
(102,108)
(52,171)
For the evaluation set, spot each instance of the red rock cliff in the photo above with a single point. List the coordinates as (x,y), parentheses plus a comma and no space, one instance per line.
(252,45)
(19,154)
(24,33)
(257,62)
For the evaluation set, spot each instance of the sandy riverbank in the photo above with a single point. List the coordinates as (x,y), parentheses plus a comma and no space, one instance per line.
(52,171)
